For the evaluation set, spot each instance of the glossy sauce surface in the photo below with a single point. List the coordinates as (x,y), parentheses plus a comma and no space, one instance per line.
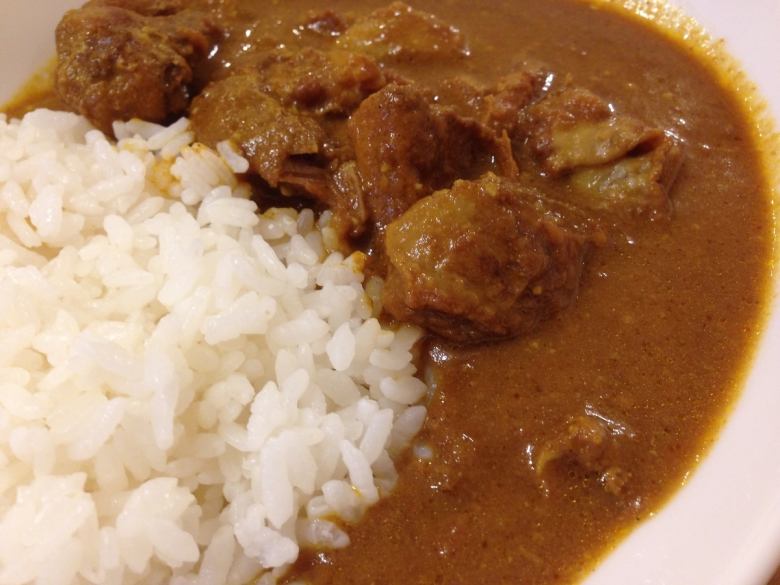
(655,344)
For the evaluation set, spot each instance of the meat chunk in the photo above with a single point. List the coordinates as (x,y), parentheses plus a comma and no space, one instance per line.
(615,162)
(406,148)
(287,114)
(286,147)
(399,33)
(332,82)
(117,62)
(500,106)
(584,440)
(632,185)
(484,260)
(465,96)
(348,201)
(326,23)
(589,442)
(575,128)
(272,137)
(394,137)
(145,7)
(505,102)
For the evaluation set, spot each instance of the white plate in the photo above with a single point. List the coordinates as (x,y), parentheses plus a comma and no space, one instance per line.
(723,528)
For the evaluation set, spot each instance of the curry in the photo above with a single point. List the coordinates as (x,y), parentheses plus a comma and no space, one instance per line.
(549,436)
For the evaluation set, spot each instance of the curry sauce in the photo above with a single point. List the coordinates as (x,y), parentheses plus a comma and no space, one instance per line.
(656,344)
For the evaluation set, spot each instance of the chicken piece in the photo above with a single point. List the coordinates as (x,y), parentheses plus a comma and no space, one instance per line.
(332,82)
(406,148)
(615,163)
(399,33)
(122,60)
(270,135)
(484,260)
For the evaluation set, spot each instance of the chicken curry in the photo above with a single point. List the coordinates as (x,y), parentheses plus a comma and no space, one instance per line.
(568,201)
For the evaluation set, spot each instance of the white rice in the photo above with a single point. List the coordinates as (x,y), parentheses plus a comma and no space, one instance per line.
(189,391)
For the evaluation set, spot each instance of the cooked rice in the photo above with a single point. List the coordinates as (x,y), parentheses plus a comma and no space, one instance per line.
(190,391)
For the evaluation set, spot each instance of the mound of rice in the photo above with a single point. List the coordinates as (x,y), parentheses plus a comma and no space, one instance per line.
(188,390)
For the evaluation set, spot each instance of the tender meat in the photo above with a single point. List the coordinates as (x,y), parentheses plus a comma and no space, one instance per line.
(219,9)
(349,205)
(615,162)
(287,114)
(574,128)
(332,82)
(145,7)
(464,95)
(505,102)
(632,185)
(276,140)
(286,147)
(399,33)
(468,149)
(134,60)
(336,185)
(500,106)
(484,260)
(394,136)
(584,440)
(589,443)
(406,148)
(326,23)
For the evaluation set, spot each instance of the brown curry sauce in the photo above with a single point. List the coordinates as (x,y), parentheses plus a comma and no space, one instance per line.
(655,344)
(656,341)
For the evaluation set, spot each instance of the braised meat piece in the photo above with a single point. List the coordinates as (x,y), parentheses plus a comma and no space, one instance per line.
(399,33)
(406,148)
(500,106)
(394,137)
(121,60)
(332,82)
(326,23)
(146,7)
(616,162)
(270,135)
(348,201)
(505,102)
(574,128)
(587,441)
(484,260)
(638,184)
(464,95)
(287,113)
(286,147)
